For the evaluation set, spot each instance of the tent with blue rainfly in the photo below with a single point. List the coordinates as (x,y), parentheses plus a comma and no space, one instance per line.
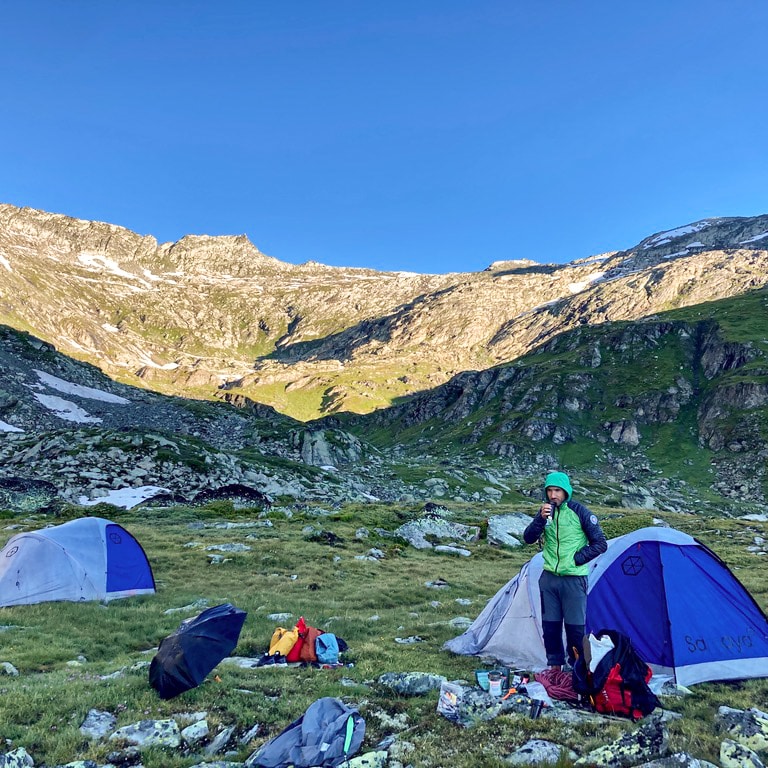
(85,559)
(686,613)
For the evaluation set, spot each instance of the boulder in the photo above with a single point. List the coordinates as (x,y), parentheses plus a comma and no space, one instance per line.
(411,683)
(649,742)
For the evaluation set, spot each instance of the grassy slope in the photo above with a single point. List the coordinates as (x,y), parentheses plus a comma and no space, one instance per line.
(43,707)
(615,388)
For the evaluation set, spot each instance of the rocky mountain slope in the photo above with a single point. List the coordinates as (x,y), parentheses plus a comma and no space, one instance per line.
(619,367)
(645,411)
(70,434)
(212,316)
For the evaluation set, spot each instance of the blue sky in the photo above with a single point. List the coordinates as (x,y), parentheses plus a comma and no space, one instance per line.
(431,136)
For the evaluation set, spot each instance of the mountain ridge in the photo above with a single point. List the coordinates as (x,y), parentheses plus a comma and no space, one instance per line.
(209,315)
(642,370)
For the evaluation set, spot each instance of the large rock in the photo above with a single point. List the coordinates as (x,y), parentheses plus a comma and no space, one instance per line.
(328,447)
(411,683)
(678,760)
(748,727)
(149,733)
(538,751)
(735,755)
(507,530)
(16,758)
(25,495)
(418,532)
(98,724)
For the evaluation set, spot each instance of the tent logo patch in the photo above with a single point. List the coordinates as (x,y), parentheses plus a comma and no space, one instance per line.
(632,565)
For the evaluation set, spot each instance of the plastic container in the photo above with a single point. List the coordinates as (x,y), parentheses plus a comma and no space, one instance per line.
(495,683)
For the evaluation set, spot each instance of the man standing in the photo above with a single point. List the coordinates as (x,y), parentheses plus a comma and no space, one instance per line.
(572,537)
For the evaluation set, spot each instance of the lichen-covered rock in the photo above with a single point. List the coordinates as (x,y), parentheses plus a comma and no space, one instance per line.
(16,758)
(196,733)
(388,722)
(123,757)
(735,755)
(507,530)
(416,532)
(649,742)
(149,733)
(98,724)
(746,726)
(24,494)
(678,760)
(411,683)
(220,741)
(368,760)
(537,751)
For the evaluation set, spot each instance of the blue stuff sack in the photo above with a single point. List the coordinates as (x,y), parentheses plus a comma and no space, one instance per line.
(327,648)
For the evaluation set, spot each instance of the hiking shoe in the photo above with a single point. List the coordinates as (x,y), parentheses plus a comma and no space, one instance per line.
(280,660)
(265,661)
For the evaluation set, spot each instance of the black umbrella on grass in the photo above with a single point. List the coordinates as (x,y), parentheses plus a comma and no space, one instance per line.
(194,649)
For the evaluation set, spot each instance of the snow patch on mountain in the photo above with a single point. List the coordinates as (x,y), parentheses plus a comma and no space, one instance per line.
(65,409)
(124,497)
(68,388)
(594,277)
(100,262)
(666,237)
(754,239)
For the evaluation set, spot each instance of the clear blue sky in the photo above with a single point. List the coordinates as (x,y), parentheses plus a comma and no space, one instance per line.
(424,135)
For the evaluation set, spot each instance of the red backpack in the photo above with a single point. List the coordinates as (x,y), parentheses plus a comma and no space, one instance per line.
(619,684)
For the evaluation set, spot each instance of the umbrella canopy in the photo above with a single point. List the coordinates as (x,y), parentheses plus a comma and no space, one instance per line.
(194,649)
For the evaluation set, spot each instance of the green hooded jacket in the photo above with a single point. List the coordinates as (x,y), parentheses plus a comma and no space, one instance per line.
(572,538)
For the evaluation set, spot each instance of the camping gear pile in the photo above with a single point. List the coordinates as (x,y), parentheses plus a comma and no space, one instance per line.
(688,616)
(467,705)
(303,644)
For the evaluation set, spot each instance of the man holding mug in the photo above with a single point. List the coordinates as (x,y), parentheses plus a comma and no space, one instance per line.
(572,537)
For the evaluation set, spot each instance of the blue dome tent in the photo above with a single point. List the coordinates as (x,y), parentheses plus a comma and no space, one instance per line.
(85,559)
(686,613)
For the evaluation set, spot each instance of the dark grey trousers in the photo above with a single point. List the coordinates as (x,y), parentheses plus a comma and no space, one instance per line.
(563,602)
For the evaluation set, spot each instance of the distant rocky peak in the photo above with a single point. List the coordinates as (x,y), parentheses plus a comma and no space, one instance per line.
(720,233)
(233,255)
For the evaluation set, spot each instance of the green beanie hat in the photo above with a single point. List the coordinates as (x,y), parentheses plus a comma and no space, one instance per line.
(559,480)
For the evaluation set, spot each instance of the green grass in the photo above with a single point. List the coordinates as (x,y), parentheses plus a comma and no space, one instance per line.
(366,603)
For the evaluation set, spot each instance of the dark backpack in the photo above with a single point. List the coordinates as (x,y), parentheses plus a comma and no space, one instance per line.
(619,684)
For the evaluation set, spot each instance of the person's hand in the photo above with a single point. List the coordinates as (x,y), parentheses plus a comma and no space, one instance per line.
(546,510)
